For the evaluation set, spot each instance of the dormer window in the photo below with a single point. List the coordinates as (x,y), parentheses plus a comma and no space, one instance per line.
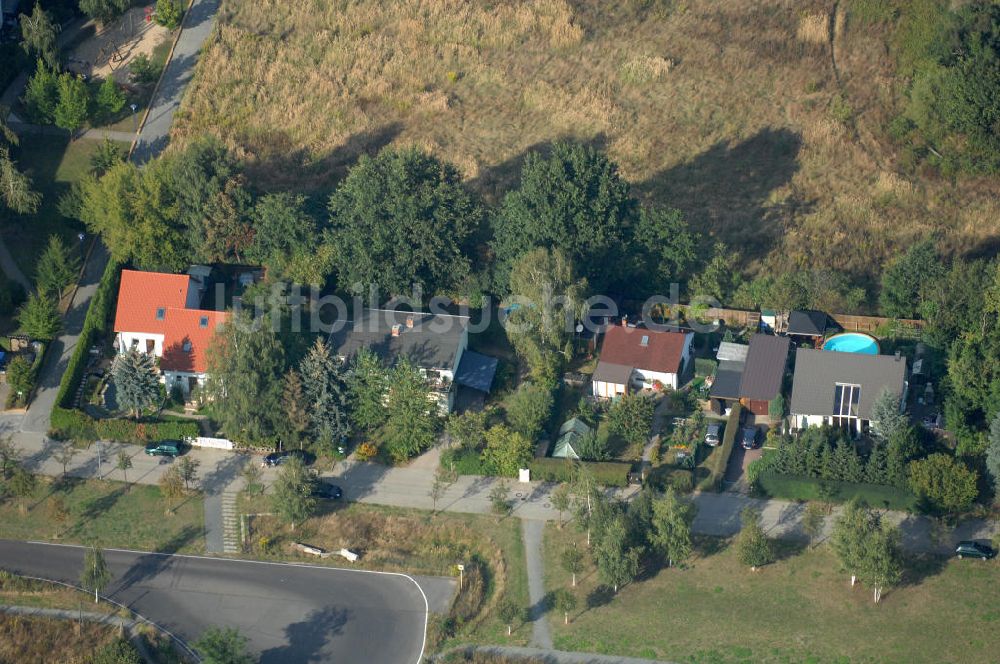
(186,346)
(161,313)
(203,322)
(645,341)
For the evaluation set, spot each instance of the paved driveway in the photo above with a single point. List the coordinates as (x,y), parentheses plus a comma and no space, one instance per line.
(290,613)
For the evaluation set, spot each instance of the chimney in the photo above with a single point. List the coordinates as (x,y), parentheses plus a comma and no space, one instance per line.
(396,329)
(409,322)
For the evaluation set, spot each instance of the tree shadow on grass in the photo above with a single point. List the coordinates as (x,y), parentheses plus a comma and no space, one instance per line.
(726,189)
(600,596)
(920,567)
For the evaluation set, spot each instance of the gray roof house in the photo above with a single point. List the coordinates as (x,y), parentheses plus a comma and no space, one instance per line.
(807,323)
(436,343)
(840,388)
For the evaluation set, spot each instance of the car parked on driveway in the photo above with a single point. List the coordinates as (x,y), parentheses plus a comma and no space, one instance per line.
(278,458)
(169,448)
(972,549)
(713,434)
(749,438)
(326,490)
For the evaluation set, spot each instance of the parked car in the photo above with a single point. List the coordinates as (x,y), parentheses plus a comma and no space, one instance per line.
(713,434)
(278,458)
(971,549)
(749,438)
(170,448)
(326,490)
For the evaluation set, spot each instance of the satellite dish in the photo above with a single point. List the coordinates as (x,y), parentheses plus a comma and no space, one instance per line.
(579,328)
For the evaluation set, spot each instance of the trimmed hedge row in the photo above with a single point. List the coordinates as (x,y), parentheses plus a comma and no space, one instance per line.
(794,487)
(714,481)
(74,424)
(608,473)
(94,325)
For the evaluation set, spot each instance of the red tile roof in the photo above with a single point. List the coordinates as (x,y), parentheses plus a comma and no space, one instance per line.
(623,345)
(185,337)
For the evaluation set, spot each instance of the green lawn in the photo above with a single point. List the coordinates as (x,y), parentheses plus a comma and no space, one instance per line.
(54,164)
(108,514)
(800,609)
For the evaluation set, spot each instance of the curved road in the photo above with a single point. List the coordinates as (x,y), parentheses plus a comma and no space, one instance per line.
(290,613)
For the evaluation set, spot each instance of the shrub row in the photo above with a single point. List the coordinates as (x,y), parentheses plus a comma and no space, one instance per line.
(608,473)
(792,487)
(94,326)
(714,481)
(74,424)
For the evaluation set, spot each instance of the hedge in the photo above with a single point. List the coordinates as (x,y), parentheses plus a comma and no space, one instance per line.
(74,424)
(94,325)
(714,480)
(794,487)
(608,473)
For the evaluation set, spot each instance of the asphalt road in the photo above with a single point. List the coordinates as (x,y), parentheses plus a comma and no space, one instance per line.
(290,613)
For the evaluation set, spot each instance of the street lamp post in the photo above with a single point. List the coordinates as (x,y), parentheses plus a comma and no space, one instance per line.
(135,117)
(461,574)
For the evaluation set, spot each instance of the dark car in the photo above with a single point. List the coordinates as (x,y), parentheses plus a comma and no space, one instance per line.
(971,549)
(749,438)
(326,490)
(170,448)
(278,458)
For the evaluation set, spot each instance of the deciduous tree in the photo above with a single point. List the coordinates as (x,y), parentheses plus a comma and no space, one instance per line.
(561,497)
(38,36)
(547,301)
(123,462)
(246,365)
(617,562)
(509,613)
(41,94)
(671,526)
(850,531)
(95,574)
(993,455)
(137,381)
(64,455)
(571,560)
(506,451)
(573,200)
(945,482)
(529,408)
(188,470)
(110,98)
(631,417)
(401,218)
(73,107)
(563,601)
(223,646)
(880,565)
(753,548)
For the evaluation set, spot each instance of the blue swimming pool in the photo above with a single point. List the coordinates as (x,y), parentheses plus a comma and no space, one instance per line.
(852,342)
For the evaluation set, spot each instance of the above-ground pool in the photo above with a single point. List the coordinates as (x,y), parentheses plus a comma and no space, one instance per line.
(852,342)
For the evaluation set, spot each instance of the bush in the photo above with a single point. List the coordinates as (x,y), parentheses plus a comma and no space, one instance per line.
(464,461)
(810,488)
(607,473)
(714,480)
(704,366)
(71,424)
(169,13)
(94,326)
(144,70)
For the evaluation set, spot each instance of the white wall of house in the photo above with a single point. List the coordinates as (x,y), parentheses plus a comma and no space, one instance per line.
(182,378)
(800,421)
(643,379)
(604,390)
(140,341)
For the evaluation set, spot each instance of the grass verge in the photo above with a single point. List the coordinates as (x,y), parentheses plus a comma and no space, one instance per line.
(105,513)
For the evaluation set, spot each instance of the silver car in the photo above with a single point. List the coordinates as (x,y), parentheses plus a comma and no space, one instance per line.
(712,434)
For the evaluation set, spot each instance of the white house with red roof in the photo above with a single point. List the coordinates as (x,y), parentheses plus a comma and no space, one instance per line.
(637,358)
(158,313)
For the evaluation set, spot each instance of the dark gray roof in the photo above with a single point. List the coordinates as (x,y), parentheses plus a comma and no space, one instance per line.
(607,372)
(476,370)
(432,342)
(807,323)
(726,384)
(765,368)
(817,373)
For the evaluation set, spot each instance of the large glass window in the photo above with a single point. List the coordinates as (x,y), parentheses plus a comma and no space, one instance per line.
(846,400)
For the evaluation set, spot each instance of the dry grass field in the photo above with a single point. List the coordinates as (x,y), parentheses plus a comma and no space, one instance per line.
(24,639)
(764,120)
